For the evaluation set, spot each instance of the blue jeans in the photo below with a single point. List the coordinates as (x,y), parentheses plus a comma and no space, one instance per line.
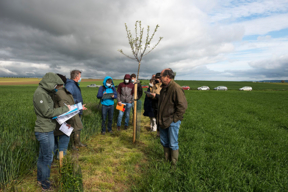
(45,159)
(169,136)
(107,109)
(61,144)
(127,114)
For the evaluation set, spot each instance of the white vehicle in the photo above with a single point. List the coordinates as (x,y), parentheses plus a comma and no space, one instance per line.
(92,85)
(246,88)
(203,88)
(221,88)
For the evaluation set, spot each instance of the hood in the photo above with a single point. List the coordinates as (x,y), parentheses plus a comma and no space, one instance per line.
(127,76)
(49,81)
(104,81)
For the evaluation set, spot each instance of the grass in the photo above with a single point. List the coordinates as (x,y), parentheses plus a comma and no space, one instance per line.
(111,162)
(229,141)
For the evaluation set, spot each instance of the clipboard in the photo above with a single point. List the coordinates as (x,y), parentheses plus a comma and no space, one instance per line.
(148,93)
(121,107)
(107,96)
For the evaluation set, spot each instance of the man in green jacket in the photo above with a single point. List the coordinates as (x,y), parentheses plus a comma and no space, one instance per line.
(172,105)
(44,125)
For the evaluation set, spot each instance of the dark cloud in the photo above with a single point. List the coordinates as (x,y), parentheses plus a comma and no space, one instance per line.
(41,36)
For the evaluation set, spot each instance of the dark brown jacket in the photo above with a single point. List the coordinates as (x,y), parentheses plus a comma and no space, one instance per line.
(60,98)
(172,105)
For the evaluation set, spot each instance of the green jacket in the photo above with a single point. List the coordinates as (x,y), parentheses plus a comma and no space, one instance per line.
(60,98)
(172,104)
(44,105)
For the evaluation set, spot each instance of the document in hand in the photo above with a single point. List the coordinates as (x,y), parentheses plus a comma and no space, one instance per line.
(121,107)
(108,96)
(65,129)
(74,110)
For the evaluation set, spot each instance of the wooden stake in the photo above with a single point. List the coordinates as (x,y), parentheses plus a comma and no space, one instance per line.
(135,113)
(61,158)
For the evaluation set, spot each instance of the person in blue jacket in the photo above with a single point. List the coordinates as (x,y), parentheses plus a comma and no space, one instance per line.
(72,85)
(108,103)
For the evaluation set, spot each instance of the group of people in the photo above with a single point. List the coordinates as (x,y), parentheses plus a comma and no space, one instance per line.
(124,95)
(165,104)
(51,99)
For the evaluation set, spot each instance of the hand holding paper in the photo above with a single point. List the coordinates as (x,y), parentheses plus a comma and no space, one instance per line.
(66,129)
(74,110)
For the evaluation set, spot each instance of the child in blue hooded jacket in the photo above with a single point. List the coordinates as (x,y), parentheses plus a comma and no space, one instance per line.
(107,104)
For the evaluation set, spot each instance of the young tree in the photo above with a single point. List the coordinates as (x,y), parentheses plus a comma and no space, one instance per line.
(138,51)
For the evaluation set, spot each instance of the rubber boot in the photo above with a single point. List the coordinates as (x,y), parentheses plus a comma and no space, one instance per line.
(167,154)
(77,139)
(174,157)
(73,142)
(158,133)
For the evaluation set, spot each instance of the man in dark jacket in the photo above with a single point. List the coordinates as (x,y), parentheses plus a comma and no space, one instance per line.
(44,125)
(72,85)
(139,86)
(125,95)
(171,108)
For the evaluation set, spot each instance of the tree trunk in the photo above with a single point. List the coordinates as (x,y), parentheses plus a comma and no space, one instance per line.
(135,113)
(135,105)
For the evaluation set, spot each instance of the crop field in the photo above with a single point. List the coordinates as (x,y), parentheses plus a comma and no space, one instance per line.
(229,140)
(18,145)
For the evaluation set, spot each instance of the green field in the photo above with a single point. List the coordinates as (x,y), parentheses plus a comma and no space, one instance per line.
(229,140)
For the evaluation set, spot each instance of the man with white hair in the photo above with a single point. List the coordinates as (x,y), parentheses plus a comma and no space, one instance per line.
(171,108)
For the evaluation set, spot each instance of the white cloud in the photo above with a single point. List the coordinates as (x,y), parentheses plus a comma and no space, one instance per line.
(262,26)
(279,62)
(263,38)
(235,10)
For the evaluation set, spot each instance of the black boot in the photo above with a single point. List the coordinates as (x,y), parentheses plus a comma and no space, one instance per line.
(174,157)
(74,142)
(167,154)
(77,140)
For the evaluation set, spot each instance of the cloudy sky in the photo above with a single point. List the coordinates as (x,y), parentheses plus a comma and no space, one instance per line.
(202,40)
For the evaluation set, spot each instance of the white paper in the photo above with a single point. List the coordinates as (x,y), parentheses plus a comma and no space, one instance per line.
(65,129)
(63,119)
(75,109)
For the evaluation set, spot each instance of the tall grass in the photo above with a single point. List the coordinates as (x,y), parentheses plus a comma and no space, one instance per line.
(229,141)
(18,145)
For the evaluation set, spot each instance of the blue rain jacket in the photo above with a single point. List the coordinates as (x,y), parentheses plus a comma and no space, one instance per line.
(107,89)
(74,89)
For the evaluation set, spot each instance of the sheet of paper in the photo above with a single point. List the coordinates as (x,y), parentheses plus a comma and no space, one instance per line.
(73,108)
(63,119)
(65,129)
